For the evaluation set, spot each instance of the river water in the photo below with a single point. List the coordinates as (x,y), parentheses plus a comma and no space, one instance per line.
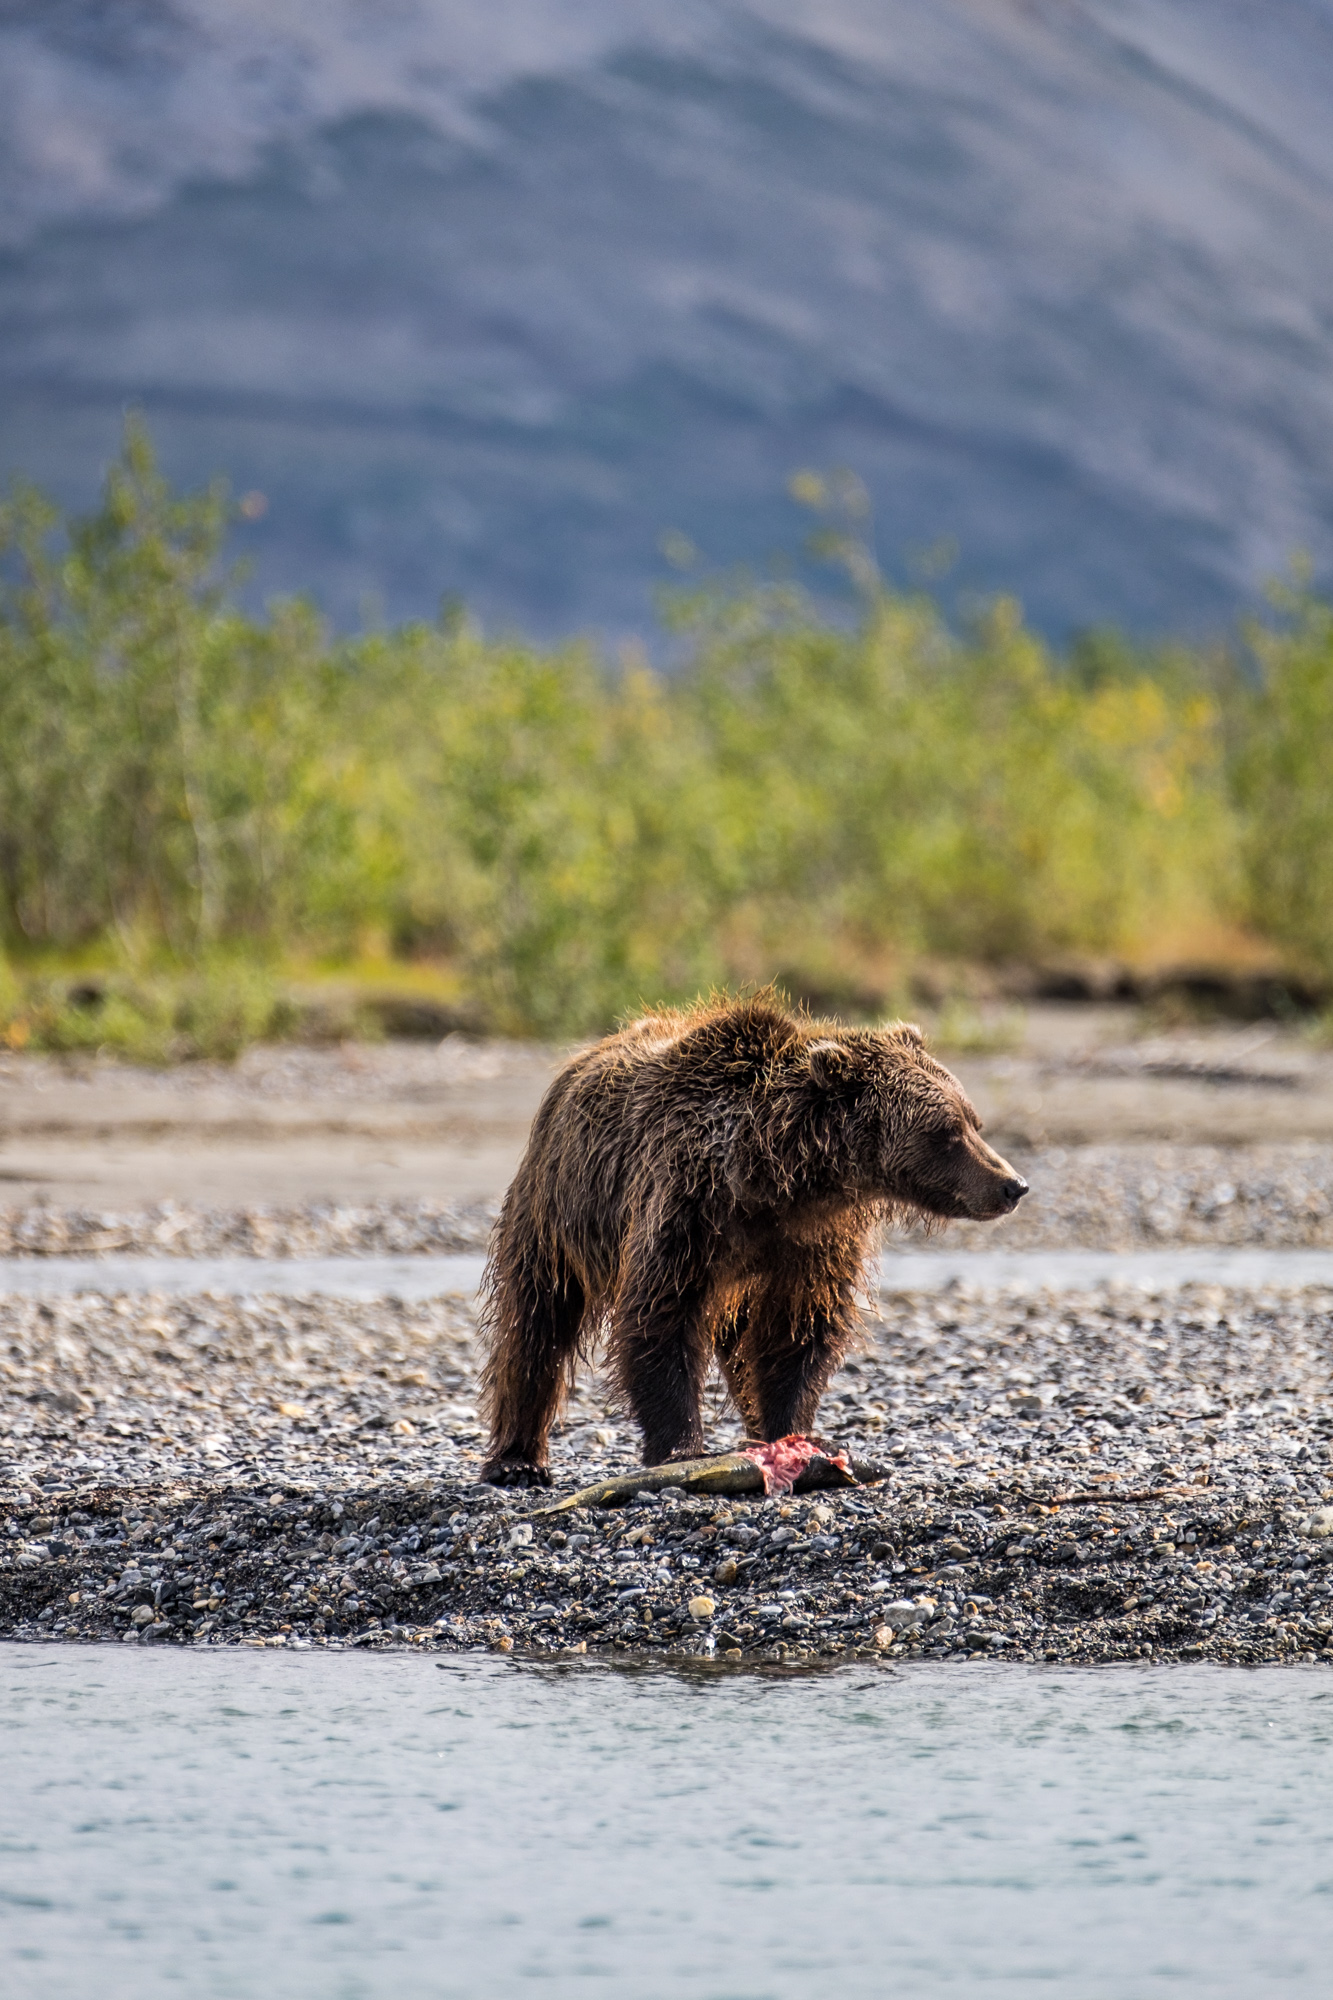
(430,1277)
(263,1826)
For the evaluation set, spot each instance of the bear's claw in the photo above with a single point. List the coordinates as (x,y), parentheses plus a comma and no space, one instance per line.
(514,1472)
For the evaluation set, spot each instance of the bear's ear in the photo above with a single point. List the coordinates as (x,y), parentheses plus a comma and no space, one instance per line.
(833,1065)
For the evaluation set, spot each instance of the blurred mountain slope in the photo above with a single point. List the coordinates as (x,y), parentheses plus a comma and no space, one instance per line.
(484,305)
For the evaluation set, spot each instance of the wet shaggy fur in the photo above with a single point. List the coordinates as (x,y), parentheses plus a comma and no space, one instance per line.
(709,1183)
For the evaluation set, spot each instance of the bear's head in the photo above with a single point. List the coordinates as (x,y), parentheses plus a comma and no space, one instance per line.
(911,1136)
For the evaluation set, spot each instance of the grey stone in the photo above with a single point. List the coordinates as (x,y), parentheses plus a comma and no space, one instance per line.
(900,1615)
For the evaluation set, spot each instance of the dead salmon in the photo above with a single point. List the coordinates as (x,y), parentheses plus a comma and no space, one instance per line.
(789,1465)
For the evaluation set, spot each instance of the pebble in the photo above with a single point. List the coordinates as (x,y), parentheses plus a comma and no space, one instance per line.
(1126,1197)
(900,1615)
(312,1229)
(215,1471)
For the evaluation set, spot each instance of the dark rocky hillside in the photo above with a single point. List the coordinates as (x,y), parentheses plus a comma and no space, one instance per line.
(485,300)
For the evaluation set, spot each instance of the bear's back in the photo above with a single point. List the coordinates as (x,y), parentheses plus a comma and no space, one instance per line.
(723,1048)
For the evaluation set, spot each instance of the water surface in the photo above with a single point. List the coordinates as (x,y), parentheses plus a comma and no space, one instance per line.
(277,1827)
(424,1277)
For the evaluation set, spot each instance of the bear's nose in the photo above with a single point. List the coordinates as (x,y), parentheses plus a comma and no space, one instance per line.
(1014,1190)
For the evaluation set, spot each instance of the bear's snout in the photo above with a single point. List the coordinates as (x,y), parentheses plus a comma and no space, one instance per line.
(1000,1197)
(989,1187)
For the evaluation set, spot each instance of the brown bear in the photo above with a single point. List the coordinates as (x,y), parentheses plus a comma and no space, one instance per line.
(710,1182)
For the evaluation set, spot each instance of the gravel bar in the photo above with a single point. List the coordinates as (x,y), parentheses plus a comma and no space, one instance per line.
(1109,1198)
(1081,1477)
(312,1229)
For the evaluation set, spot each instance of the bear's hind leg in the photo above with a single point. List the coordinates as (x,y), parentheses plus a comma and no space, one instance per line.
(535,1315)
(729,1345)
(800,1327)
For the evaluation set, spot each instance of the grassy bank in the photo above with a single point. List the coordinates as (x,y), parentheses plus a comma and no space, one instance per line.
(198,807)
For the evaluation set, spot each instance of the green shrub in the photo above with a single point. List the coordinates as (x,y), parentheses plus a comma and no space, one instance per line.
(1283,770)
(185,791)
(213,1011)
(903,787)
(560,826)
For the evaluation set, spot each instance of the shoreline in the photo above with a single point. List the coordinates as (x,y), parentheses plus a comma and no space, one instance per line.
(823,1579)
(213,1471)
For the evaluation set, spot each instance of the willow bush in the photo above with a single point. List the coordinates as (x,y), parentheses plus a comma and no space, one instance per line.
(186,787)
(1282,759)
(172,773)
(904,787)
(556,822)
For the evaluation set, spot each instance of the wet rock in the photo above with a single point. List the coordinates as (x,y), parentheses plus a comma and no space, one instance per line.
(901,1615)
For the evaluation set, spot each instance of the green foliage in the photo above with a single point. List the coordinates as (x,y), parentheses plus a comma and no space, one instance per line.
(169,770)
(967,797)
(562,832)
(213,1010)
(1283,763)
(186,791)
(104,712)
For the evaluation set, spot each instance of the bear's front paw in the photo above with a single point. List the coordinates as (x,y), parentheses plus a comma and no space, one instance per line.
(514,1472)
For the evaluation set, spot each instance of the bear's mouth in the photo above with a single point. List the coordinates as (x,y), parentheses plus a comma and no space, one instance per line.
(990,1204)
(1001,1200)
